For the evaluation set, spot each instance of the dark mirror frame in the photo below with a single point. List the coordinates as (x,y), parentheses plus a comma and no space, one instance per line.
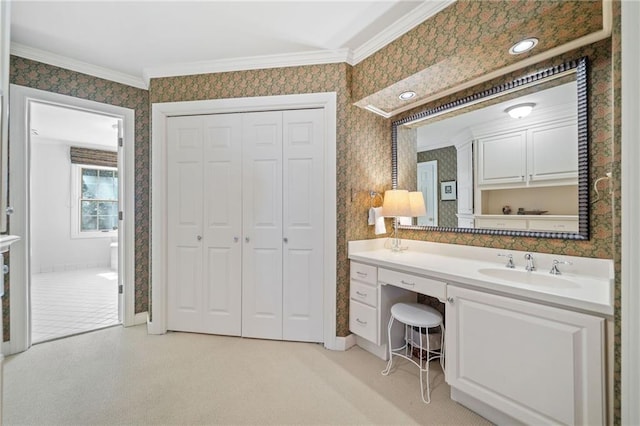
(580,67)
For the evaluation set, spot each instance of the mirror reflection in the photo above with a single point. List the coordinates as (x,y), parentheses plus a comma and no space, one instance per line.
(508,165)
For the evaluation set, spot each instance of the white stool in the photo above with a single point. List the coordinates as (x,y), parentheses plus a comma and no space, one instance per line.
(423,317)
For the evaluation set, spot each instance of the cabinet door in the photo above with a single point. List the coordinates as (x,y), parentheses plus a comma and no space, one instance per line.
(537,364)
(184,223)
(553,152)
(222,227)
(303,228)
(262,225)
(502,158)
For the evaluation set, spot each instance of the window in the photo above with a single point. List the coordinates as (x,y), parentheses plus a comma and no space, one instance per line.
(96,208)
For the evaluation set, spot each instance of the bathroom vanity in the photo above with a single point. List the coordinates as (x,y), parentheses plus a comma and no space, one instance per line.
(521,346)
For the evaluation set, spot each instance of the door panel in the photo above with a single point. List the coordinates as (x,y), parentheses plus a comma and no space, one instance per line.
(262,225)
(222,156)
(184,217)
(303,233)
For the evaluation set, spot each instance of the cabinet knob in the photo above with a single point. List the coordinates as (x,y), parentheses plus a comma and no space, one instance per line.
(236,239)
(9,210)
(247,239)
(450,299)
(199,237)
(286,240)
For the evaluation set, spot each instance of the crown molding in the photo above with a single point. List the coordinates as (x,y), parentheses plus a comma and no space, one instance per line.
(248,63)
(403,25)
(43,56)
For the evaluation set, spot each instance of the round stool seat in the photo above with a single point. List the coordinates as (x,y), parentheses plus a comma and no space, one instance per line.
(416,315)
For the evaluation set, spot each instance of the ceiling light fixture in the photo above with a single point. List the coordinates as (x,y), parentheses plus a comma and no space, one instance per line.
(405,96)
(523,46)
(520,110)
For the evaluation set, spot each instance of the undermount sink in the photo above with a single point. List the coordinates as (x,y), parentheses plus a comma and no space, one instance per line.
(530,278)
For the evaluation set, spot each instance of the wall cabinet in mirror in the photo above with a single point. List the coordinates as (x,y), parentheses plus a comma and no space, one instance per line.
(515,176)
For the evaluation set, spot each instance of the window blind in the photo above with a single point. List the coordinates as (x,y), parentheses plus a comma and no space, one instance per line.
(93,157)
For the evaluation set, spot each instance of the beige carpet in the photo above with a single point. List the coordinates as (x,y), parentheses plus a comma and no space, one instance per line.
(124,376)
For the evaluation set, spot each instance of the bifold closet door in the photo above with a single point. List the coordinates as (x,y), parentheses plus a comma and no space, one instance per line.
(262,225)
(204,224)
(303,229)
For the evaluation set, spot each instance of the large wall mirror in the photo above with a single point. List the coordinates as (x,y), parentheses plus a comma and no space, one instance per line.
(511,160)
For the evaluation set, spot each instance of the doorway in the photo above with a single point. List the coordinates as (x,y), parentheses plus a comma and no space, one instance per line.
(428,185)
(74,199)
(88,206)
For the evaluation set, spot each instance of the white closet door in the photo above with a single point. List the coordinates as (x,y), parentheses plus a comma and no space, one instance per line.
(222,267)
(303,189)
(262,225)
(184,216)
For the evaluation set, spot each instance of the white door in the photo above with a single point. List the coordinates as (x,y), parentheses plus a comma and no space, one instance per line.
(222,256)
(262,225)
(184,217)
(303,186)
(204,218)
(428,185)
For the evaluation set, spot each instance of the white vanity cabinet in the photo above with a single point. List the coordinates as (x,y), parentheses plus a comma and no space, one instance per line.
(370,309)
(544,154)
(532,363)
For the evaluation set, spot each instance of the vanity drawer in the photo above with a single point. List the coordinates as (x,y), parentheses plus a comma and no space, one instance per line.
(362,321)
(517,224)
(423,285)
(364,293)
(364,273)
(554,225)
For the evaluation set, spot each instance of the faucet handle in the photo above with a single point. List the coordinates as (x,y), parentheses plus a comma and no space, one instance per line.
(554,269)
(530,265)
(510,263)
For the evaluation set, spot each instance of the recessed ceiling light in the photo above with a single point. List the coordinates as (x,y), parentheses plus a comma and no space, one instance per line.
(520,110)
(405,96)
(523,46)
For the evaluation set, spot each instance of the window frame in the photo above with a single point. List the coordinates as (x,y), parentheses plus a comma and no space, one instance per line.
(76,202)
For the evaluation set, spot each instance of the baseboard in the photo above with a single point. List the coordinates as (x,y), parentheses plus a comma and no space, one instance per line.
(140,318)
(344,343)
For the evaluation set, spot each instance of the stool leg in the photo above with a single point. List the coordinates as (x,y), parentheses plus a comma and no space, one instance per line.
(386,370)
(426,366)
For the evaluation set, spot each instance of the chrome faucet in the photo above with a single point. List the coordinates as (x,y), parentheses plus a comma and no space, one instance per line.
(554,269)
(530,265)
(510,263)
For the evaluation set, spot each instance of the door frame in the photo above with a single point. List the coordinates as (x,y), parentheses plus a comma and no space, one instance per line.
(160,112)
(19,193)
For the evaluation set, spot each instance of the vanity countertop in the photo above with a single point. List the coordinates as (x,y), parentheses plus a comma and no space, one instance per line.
(587,284)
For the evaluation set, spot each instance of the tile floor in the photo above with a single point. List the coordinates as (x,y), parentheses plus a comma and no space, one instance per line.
(72,302)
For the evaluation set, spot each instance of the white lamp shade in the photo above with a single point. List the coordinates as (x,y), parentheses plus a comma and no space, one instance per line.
(396,203)
(416,200)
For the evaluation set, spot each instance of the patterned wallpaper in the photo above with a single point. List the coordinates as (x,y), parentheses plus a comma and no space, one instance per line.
(36,75)
(472,38)
(447,159)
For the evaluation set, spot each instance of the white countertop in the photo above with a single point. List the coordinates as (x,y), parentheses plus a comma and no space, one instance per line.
(457,264)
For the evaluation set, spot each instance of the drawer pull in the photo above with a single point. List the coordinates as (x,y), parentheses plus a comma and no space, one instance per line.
(407,283)
(361,294)
(360,321)
(362,274)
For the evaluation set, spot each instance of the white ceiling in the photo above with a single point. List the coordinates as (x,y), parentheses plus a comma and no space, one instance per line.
(445,132)
(132,41)
(56,124)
